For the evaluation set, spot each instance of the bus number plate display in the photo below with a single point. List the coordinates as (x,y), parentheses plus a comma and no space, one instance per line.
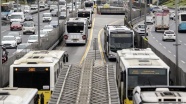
(121,35)
(31,69)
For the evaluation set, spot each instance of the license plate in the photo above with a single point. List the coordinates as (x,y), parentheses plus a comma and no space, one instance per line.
(75,40)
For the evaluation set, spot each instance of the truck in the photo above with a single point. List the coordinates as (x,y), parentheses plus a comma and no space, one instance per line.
(162,20)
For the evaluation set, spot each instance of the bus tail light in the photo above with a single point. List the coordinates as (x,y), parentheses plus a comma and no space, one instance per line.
(65,37)
(84,37)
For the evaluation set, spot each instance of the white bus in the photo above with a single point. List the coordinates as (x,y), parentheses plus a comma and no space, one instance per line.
(76,31)
(139,67)
(84,13)
(18,96)
(159,95)
(38,69)
(117,37)
(182,22)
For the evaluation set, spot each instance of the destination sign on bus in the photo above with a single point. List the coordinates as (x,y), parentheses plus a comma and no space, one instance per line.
(147,71)
(120,35)
(31,69)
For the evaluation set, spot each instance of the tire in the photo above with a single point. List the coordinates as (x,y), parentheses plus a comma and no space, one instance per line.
(34,32)
(155,29)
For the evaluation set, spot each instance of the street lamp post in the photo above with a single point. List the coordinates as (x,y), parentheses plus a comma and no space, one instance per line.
(131,12)
(58,18)
(145,19)
(39,43)
(176,32)
(1,71)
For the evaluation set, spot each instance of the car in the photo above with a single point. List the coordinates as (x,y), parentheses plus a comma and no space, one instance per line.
(28,17)
(42,5)
(169,35)
(156,9)
(9,41)
(23,47)
(54,23)
(149,19)
(15,26)
(48,28)
(54,12)
(32,39)
(43,33)
(17,35)
(29,27)
(47,17)
(62,15)
(26,9)
(52,7)
(140,29)
(17,7)
(33,7)
(172,15)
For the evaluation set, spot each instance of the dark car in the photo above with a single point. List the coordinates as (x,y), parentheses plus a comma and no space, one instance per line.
(15,26)
(54,23)
(28,17)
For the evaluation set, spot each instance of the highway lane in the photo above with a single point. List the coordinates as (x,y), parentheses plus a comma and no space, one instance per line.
(167,47)
(25,37)
(76,52)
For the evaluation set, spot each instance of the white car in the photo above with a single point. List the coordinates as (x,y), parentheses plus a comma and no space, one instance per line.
(9,41)
(172,15)
(26,9)
(47,17)
(29,27)
(23,47)
(32,39)
(169,35)
(17,35)
(43,33)
(149,19)
(140,29)
(33,7)
(48,28)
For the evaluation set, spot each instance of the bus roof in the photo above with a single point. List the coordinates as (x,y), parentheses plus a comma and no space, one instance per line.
(119,28)
(41,57)
(160,94)
(140,58)
(17,95)
(77,19)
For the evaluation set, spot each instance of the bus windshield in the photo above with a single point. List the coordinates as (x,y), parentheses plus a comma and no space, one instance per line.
(5,9)
(84,14)
(120,41)
(31,77)
(88,4)
(75,27)
(145,77)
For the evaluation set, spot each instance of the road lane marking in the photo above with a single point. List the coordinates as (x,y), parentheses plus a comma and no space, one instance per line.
(4,31)
(180,41)
(157,40)
(174,55)
(164,47)
(153,37)
(184,44)
(89,42)
(160,43)
(169,51)
(183,61)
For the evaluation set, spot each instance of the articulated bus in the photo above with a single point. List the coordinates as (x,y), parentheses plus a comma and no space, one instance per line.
(38,69)
(182,21)
(19,96)
(159,95)
(76,31)
(117,37)
(139,67)
(84,13)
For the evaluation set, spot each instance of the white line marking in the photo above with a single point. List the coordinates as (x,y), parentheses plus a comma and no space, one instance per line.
(157,40)
(164,47)
(4,31)
(174,55)
(169,51)
(160,43)
(184,44)
(153,37)
(180,41)
(183,61)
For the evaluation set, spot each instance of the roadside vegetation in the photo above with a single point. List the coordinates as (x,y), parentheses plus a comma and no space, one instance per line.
(171,3)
